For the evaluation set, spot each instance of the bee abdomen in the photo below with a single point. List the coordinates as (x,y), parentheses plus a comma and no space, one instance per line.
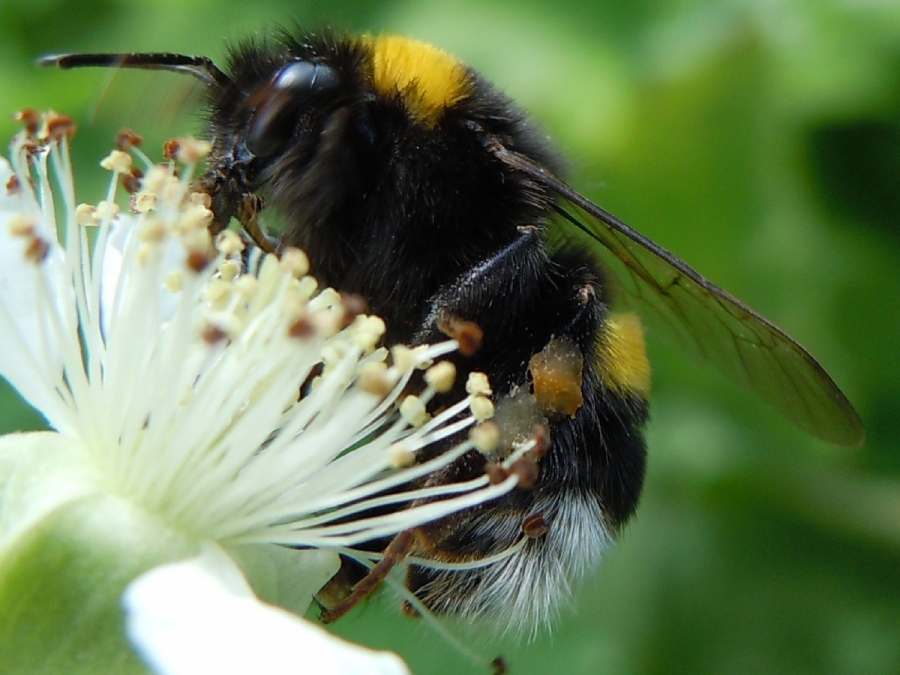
(590,479)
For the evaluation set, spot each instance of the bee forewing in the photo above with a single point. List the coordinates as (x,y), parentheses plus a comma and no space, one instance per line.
(706,322)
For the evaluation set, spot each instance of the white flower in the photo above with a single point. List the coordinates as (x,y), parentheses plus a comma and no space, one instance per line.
(170,380)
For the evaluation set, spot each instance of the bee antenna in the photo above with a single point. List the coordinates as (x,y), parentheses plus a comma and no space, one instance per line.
(200,67)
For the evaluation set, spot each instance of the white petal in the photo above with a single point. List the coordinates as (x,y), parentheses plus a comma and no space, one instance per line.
(30,353)
(7,201)
(285,576)
(199,616)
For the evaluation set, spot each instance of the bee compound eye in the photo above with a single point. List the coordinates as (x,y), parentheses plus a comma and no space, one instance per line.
(291,90)
(304,77)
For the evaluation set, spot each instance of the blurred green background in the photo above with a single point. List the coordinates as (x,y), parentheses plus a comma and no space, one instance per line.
(759,140)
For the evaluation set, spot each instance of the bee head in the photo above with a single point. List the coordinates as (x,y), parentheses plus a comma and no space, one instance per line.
(337,131)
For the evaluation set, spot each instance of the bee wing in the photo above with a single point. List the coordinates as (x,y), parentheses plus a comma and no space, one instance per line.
(706,321)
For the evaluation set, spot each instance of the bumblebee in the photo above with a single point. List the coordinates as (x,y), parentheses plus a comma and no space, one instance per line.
(410,180)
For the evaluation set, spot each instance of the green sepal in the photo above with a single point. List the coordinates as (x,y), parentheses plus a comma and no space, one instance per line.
(67,552)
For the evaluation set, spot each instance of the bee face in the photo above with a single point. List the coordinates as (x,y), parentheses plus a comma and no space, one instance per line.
(411,181)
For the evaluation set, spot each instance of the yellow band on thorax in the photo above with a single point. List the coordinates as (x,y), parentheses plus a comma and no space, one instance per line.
(426,78)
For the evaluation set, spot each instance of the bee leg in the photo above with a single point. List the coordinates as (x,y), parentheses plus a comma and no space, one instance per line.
(239,202)
(487,294)
(520,299)
(399,547)
(248,215)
